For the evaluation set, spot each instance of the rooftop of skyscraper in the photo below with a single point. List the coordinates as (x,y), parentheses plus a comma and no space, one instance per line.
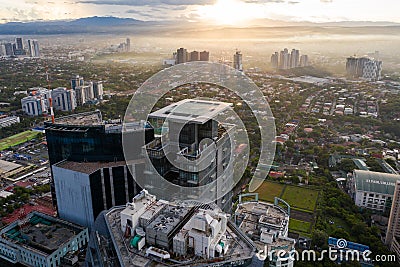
(92,118)
(193,110)
(156,233)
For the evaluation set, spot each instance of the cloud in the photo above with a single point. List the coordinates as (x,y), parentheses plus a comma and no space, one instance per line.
(148,2)
(140,13)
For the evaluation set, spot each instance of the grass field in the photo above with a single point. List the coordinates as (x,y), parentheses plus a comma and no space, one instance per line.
(269,190)
(299,226)
(17,139)
(300,197)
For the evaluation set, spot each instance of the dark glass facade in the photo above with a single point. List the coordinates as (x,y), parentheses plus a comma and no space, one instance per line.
(89,142)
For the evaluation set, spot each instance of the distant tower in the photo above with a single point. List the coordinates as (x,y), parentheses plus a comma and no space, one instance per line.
(237,61)
(284,59)
(36,48)
(77,81)
(20,45)
(98,90)
(275,60)
(294,58)
(194,56)
(181,55)
(9,49)
(128,45)
(304,61)
(204,56)
(33,48)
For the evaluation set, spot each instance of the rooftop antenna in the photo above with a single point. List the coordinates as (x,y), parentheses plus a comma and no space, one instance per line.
(50,97)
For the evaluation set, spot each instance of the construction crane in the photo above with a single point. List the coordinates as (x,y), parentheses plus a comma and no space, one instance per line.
(50,97)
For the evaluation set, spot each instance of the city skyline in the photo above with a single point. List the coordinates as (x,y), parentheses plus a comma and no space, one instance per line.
(217,12)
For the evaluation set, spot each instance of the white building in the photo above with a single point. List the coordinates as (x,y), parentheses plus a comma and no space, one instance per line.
(85,93)
(373,190)
(37,103)
(8,121)
(63,99)
(372,70)
(135,210)
(98,90)
(204,233)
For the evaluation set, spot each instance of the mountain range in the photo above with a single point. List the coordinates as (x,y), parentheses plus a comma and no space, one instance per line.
(99,25)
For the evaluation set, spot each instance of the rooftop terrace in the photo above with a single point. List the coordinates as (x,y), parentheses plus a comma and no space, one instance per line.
(40,232)
(193,110)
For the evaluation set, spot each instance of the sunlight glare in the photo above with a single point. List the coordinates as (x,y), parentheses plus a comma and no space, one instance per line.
(229,12)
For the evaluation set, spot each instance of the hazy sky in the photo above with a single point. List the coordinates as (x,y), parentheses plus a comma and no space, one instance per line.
(215,11)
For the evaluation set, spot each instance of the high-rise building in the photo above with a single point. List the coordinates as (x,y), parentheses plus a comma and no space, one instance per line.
(37,103)
(98,90)
(275,60)
(9,49)
(284,59)
(77,81)
(84,93)
(192,121)
(194,56)
(363,67)
(204,56)
(2,50)
(93,187)
(237,61)
(181,55)
(19,47)
(80,95)
(294,58)
(393,231)
(88,164)
(33,48)
(372,70)
(33,106)
(63,99)
(128,45)
(304,61)
(19,42)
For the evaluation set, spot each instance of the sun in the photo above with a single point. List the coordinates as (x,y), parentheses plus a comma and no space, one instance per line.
(228,12)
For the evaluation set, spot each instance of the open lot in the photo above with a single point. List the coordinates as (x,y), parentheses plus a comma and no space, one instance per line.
(17,139)
(299,226)
(302,200)
(300,197)
(269,190)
